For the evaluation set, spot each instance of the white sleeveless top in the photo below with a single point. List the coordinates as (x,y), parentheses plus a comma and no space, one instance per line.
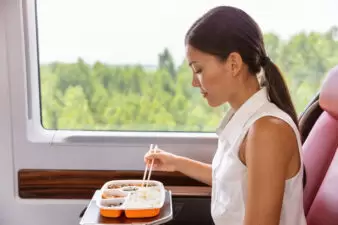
(229,174)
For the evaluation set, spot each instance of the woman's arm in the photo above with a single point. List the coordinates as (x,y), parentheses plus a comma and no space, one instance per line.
(269,148)
(194,169)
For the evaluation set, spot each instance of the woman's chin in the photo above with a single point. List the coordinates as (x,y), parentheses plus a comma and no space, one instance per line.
(213,103)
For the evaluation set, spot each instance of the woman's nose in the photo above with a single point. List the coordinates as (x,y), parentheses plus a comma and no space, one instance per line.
(195,82)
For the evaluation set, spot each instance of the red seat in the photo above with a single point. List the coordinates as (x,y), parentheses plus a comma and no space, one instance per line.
(324,209)
(321,158)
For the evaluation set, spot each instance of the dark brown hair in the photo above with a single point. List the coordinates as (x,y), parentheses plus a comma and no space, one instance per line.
(226,29)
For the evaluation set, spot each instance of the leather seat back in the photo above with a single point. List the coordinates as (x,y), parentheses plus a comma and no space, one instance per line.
(320,161)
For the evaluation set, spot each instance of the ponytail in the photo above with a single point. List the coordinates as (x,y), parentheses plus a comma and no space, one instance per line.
(277,89)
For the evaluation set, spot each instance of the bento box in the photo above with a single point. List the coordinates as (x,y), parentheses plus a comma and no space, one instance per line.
(131,198)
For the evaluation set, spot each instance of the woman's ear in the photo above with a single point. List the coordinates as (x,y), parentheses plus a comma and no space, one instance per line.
(236,63)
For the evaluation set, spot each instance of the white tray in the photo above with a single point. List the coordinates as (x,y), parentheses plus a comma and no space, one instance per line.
(92,214)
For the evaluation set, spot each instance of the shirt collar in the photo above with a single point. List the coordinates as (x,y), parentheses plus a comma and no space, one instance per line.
(234,121)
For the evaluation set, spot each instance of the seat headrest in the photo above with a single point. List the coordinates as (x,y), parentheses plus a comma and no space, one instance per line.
(328,97)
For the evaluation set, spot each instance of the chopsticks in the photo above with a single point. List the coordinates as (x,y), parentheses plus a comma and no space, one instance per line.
(151,167)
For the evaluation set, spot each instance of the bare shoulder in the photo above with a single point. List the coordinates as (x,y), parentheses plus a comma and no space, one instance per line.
(273,127)
(271,137)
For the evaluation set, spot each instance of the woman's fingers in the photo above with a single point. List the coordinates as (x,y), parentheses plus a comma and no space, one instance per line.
(154,154)
(156,163)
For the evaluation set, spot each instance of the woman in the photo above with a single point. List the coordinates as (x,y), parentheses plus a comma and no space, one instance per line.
(257,171)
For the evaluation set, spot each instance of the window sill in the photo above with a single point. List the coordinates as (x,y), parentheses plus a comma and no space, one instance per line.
(37,134)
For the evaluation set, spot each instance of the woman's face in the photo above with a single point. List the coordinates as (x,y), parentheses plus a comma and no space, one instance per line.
(215,78)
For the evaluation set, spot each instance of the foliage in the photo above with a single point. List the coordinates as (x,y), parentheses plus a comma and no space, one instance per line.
(139,98)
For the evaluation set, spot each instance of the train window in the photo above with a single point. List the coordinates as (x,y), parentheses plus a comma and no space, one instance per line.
(119,65)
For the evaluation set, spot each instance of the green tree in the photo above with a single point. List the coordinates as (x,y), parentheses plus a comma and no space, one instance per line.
(139,98)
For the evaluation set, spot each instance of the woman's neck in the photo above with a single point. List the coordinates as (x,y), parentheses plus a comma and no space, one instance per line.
(250,87)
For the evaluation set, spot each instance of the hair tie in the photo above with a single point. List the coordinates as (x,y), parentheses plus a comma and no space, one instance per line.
(265,60)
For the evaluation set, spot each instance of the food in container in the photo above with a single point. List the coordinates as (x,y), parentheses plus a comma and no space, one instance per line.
(112,193)
(130,197)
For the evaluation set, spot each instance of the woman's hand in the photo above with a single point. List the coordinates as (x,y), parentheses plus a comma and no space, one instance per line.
(168,162)
(163,161)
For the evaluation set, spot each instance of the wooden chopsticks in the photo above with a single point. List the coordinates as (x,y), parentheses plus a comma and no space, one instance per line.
(150,169)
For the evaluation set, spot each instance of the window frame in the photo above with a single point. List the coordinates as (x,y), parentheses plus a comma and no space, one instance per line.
(36,133)
(32,147)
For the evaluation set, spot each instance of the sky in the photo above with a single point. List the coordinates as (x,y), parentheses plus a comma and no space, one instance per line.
(136,31)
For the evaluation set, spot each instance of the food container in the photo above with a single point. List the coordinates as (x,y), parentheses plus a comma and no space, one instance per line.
(131,198)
